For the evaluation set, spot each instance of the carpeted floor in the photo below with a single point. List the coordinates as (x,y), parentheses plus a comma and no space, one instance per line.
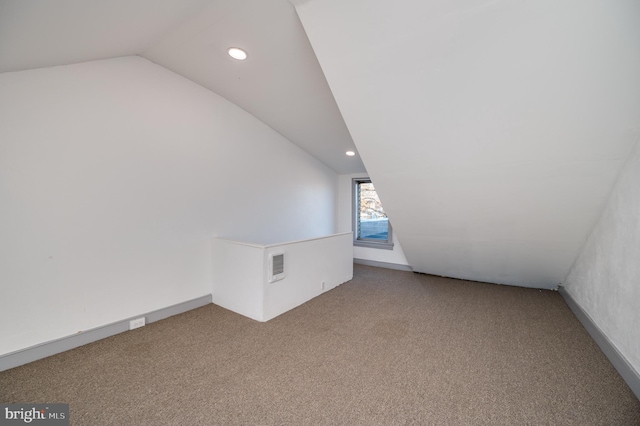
(387,348)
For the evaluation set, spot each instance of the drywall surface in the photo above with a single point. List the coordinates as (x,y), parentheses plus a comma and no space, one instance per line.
(493,130)
(605,279)
(114,176)
(238,278)
(345,224)
(311,267)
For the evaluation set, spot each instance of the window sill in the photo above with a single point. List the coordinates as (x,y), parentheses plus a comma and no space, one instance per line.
(373,244)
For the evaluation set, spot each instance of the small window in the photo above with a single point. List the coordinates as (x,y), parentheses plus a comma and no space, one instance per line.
(371,224)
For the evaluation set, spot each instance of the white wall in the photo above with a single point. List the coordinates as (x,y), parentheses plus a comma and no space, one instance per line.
(114,175)
(345,224)
(493,130)
(605,279)
(238,277)
(311,267)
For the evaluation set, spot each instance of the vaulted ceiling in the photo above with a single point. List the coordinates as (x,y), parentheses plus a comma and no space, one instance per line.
(281,82)
(493,130)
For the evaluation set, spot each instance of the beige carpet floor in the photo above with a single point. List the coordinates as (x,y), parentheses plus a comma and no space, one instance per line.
(387,348)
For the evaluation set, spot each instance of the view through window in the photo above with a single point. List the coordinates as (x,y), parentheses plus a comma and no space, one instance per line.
(372,226)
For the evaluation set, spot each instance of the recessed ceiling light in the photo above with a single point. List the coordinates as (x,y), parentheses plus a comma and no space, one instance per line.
(237,53)
(350,153)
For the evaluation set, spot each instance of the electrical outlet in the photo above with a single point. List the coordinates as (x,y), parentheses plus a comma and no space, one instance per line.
(136,323)
(323,286)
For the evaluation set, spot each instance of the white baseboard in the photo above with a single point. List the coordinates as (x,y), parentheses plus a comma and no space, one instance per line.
(43,350)
(620,363)
(386,265)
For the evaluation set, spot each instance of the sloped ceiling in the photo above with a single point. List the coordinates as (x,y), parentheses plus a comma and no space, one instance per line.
(43,33)
(493,130)
(281,82)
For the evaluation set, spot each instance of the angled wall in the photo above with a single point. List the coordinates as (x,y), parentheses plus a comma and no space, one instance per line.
(114,176)
(493,131)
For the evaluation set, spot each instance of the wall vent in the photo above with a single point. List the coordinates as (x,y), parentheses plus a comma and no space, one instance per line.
(276,267)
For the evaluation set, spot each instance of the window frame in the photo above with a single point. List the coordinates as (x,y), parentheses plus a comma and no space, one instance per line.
(355,215)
